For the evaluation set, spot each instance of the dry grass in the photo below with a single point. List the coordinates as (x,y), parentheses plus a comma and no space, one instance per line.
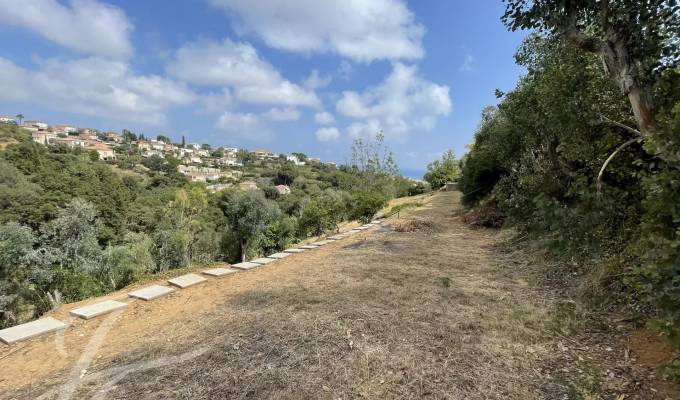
(414,225)
(407,315)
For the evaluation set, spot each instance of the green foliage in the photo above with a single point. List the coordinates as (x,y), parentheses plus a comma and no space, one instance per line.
(72,226)
(538,155)
(248,214)
(367,203)
(440,172)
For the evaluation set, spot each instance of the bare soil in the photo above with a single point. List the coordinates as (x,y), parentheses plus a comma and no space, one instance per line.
(435,313)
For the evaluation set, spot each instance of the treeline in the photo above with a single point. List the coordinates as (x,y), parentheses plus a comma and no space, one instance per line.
(583,156)
(72,226)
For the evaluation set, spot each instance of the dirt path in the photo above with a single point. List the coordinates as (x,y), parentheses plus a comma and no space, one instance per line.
(383,314)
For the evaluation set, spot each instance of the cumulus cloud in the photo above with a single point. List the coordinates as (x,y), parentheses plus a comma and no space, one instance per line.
(93,86)
(245,126)
(356,29)
(403,103)
(237,65)
(86,26)
(315,80)
(327,134)
(324,118)
(282,114)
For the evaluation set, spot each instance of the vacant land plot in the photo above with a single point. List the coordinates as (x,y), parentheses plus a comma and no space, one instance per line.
(425,313)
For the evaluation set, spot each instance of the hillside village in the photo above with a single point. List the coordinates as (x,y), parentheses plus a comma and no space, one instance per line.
(218,167)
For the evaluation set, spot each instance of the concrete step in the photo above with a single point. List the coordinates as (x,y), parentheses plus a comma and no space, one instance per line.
(263,260)
(246,265)
(151,292)
(187,280)
(279,255)
(219,272)
(97,309)
(294,251)
(31,329)
(309,246)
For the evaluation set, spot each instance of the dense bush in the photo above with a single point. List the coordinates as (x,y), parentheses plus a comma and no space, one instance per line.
(538,156)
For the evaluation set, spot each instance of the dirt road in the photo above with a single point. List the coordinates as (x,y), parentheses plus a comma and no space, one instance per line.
(433,313)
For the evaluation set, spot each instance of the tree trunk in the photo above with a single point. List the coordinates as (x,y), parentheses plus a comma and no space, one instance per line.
(642,109)
(623,70)
(244,248)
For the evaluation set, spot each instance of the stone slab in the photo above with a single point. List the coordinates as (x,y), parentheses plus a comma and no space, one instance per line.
(97,309)
(376,222)
(323,242)
(263,260)
(246,265)
(31,330)
(218,272)
(279,255)
(187,280)
(337,237)
(294,250)
(151,292)
(309,246)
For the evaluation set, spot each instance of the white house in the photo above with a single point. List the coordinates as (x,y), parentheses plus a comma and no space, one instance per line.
(295,160)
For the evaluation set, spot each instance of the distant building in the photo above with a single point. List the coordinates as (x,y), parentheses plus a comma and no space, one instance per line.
(105,152)
(282,189)
(314,160)
(114,137)
(70,141)
(43,137)
(229,162)
(87,131)
(41,126)
(7,120)
(295,160)
(264,155)
(64,129)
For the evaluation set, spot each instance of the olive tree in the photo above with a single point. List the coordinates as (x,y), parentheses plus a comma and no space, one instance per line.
(248,213)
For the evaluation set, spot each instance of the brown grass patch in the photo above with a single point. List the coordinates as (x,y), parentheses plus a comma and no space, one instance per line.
(414,225)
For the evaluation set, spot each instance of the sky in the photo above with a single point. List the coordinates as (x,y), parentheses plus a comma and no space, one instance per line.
(286,75)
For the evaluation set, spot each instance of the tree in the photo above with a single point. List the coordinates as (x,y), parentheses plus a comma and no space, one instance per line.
(20,117)
(286,174)
(72,236)
(440,172)
(184,142)
(163,138)
(248,214)
(636,39)
(373,156)
(300,156)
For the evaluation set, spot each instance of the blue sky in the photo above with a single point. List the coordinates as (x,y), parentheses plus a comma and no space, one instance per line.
(288,75)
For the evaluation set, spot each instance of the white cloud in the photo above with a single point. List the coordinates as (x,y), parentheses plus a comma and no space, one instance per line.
(282,114)
(285,93)
(216,103)
(403,103)
(324,118)
(468,64)
(226,63)
(246,126)
(315,80)
(86,26)
(93,86)
(357,29)
(238,66)
(327,134)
